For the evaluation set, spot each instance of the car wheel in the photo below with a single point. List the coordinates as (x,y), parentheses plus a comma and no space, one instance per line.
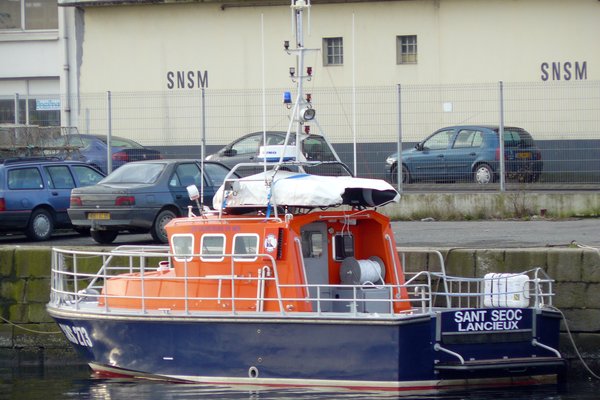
(393,175)
(158,231)
(483,174)
(104,237)
(405,175)
(40,225)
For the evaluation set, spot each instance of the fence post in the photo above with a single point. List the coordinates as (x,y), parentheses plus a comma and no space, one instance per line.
(109,134)
(16,108)
(399,144)
(501,138)
(202,151)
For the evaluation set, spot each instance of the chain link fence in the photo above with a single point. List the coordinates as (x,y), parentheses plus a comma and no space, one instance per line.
(368,124)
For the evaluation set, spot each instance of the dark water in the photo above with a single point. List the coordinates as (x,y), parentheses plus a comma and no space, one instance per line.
(78,383)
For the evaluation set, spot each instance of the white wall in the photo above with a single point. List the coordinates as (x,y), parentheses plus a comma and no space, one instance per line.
(130,50)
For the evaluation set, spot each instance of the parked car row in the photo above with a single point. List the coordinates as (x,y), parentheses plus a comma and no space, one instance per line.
(38,195)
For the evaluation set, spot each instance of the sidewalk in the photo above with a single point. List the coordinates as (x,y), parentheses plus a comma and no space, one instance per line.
(497,234)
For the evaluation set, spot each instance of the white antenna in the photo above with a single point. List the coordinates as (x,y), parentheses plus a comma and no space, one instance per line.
(264,101)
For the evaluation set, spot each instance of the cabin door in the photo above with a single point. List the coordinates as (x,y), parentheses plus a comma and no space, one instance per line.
(316,255)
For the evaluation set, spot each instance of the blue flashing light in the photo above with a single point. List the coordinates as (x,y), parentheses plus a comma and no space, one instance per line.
(287,98)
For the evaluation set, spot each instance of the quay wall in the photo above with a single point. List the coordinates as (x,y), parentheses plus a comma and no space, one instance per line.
(28,336)
(494,205)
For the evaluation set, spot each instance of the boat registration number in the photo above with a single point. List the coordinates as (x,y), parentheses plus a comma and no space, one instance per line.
(77,335)
(98,215)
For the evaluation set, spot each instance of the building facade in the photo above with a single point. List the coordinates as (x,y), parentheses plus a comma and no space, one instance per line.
(176,49)
(31,66)
(144,69)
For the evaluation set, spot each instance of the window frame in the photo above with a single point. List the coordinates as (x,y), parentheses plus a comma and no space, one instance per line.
(55,173)
(245,257)
(208,257)
(248,145)
(178,256)
(441,137)
(330,57)
(406,53)
(81,170)
(23,17)
(21,170)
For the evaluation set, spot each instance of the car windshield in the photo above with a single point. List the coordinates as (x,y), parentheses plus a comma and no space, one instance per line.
(136,173)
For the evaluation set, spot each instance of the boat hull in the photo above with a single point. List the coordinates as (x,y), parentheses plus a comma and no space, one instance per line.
(351,353)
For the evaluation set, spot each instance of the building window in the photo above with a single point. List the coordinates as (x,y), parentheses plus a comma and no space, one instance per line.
(25,15)
(333,53)
(406,49)
(27,112)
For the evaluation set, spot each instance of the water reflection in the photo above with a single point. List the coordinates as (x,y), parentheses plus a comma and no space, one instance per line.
(77,383)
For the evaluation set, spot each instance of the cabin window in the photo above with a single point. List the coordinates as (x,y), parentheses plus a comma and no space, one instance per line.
(212,244)
(245,247)
(183,245)
(312,244)
(343,246)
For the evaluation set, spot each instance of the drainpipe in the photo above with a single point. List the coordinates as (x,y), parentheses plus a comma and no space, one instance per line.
(65,76)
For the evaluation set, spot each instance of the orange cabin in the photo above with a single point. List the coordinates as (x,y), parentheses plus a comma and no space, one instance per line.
(233,263)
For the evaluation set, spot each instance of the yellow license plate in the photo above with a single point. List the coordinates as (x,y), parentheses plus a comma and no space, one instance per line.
(526,155)
(98,215)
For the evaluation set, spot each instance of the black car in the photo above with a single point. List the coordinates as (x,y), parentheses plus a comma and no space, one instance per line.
(142,196)
(34,193)
(247,150)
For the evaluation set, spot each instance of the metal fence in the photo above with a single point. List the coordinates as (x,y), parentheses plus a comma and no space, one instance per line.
(367,124)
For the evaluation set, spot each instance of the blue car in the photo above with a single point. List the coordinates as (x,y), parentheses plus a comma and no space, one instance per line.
(469,153)
(34,194)
(92,149)
(142,197)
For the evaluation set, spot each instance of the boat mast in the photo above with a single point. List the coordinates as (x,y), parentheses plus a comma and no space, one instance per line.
(302,110)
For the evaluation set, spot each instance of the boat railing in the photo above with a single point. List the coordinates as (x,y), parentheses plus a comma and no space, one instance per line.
(531,287)
(281,165)
(75,285)
(80,278)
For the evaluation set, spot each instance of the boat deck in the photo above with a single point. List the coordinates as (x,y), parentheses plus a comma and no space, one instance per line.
(262,295)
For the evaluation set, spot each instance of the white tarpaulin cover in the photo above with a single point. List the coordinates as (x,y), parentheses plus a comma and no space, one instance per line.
(303,190)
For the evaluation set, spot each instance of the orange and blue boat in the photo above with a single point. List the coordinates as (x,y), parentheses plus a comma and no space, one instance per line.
(314,298)
(296,280)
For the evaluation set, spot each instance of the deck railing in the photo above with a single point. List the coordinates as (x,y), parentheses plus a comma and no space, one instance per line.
(79,280)
(532,286)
